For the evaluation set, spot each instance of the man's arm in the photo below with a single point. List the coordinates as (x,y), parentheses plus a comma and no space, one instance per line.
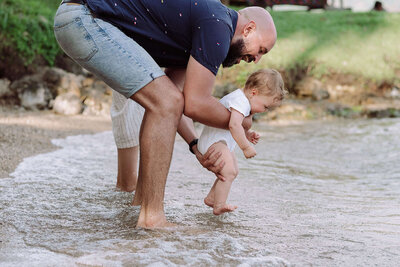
(185,128)
(200,105)
(211,160)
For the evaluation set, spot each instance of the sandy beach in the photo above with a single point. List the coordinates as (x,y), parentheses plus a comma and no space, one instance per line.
(27,133)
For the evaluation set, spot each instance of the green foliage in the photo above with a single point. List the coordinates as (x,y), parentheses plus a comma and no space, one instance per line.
(362,44)
(27,27)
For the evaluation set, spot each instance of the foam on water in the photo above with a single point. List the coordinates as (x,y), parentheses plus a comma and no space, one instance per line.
(324,194)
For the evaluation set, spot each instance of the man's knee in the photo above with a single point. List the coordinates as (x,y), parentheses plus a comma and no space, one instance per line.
(171,105)
(176,102)
(161,96)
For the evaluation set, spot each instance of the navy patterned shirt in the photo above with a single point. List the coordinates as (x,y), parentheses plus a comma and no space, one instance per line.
(172,30)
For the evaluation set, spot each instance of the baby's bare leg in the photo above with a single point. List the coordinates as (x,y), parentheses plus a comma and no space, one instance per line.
(218,194)
(209,200)
(235,162)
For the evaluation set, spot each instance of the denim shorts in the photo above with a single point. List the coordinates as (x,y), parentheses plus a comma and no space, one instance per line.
(104,50)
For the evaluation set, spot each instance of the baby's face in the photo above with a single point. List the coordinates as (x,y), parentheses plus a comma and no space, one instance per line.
(262,103)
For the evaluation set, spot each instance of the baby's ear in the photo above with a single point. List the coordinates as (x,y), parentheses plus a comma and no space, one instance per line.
(254,91)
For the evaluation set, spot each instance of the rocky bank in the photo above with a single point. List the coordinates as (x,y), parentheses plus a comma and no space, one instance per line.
(78,92)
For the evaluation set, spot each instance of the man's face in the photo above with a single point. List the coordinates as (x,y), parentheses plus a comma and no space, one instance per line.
(239,50)
(236,53)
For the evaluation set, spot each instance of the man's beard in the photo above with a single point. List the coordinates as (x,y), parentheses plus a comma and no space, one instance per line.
(235,54)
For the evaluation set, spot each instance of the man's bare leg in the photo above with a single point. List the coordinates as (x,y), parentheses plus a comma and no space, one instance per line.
(127,168)
(163,103)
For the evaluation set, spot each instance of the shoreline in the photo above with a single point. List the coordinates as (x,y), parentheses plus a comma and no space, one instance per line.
(28,133)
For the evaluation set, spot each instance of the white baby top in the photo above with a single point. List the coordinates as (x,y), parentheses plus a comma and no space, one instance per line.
(210,135)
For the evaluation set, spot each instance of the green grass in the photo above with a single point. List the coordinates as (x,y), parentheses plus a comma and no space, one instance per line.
(362,44)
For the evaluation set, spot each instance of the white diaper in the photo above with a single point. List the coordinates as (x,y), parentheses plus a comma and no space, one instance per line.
(211,135)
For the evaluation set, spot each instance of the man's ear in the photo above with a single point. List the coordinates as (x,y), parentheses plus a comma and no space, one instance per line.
(249,28)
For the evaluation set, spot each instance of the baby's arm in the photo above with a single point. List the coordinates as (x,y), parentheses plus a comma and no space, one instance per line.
(247,122)
(238,133)
(252,136)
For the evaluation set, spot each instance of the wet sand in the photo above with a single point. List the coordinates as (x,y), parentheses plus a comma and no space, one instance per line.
(27,133)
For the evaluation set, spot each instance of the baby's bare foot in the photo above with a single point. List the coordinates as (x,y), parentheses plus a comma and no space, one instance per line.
(218,210)
(209,202)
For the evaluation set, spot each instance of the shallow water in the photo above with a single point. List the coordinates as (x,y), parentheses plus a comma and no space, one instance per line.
(320,194)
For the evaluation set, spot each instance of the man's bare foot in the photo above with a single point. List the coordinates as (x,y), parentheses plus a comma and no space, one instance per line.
(137,201)
(153,221)
(218,210)
(166,225)
(209,202)
(125,188)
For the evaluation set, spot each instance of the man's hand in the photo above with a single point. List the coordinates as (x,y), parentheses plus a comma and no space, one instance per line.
(249,152)
(211,160)
(252,136)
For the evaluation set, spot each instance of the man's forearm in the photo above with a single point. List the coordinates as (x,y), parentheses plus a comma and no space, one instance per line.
(186,129)
(207,111)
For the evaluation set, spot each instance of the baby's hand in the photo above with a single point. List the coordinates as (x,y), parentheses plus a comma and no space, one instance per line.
(249,152)
(252,136)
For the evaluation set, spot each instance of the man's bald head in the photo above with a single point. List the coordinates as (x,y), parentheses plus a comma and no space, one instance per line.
(263,20)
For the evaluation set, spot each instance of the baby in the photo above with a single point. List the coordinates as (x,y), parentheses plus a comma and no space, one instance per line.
(264,89)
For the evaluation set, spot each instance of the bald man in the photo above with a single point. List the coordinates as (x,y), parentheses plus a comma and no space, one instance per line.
(126,43)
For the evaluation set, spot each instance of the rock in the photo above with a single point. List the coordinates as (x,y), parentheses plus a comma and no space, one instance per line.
(310,87)
(35,98)
(102,87)
(289,111)
(320,94)
(52,77)
(383,113)
(305,87)
(5,89)
(97,97)
(32,92)
(97,103)
(343,92)
(61,82)
(340,110)
(67,104)
(393,93)
(88,82)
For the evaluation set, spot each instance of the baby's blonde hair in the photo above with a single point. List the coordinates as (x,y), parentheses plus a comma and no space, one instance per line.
(267,82)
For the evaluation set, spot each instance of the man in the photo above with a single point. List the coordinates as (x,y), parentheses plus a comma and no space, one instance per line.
(126,42)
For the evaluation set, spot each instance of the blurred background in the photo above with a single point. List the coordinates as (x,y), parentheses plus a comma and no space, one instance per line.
(338,58)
